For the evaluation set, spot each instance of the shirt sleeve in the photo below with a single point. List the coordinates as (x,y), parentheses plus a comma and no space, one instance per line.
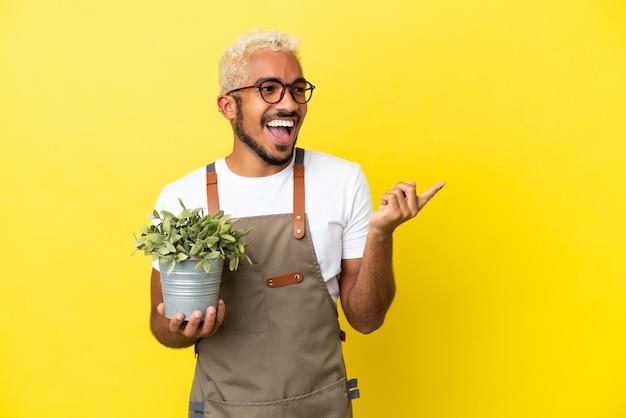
(357,225)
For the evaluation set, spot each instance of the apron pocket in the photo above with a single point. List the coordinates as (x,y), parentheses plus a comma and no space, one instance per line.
(243,292)
(328,402)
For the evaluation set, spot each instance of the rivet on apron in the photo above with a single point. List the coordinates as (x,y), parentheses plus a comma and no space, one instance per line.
(270,282)
(296,277)
(298,217)
(298,230)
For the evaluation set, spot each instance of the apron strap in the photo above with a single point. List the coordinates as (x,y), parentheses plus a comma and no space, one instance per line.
(213,204)
(299,228)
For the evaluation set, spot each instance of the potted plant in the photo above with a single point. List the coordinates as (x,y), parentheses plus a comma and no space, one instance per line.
(191,249)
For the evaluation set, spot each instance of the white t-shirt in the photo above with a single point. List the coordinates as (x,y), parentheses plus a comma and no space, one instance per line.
(338,204)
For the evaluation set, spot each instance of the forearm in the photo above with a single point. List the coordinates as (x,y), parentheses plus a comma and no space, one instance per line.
(368,287)
(372,291)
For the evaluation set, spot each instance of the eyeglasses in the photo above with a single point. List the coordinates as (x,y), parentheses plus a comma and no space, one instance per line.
(273,90)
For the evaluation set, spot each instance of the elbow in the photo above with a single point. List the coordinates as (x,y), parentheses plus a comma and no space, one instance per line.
(367,316)
(368,330)
(367,321)
(369,326)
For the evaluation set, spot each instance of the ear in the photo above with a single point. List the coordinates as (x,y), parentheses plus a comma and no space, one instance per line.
(227,107)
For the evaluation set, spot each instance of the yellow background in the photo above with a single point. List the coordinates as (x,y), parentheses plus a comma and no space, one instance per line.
(512,295)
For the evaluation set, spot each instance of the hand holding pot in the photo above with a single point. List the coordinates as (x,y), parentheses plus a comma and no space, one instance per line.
(195,327)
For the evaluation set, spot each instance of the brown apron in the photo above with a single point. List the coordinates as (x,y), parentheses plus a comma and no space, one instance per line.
(278,351)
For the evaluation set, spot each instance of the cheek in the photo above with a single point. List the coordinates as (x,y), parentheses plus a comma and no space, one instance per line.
(253,117)
(249,120)
(303,111)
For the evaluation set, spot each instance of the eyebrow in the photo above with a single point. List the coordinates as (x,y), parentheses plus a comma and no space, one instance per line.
(262,80)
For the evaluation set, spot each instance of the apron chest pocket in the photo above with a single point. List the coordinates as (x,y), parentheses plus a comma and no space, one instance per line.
(244,296)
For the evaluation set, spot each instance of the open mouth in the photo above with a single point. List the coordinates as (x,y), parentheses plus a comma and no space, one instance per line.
(281,129)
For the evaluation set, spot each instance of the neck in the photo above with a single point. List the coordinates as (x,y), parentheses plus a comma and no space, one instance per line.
(246,163)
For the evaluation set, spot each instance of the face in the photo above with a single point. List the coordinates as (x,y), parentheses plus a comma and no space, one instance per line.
(269,130)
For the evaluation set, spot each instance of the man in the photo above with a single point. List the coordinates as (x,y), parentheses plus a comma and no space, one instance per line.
(272,346)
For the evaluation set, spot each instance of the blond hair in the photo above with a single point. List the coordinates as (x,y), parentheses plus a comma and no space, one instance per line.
(233,66)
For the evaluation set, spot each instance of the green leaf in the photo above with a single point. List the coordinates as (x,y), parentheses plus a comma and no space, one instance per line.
(185,214)
(140,242)
(227,237)
(167,214)
(181,257)
(211,240)
(170,247)
(175,237)
(204,264)
(196,248)
(233,264)
(171,267)
(210,255)
(167,226)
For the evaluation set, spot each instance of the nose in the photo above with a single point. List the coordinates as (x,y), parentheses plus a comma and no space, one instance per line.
(287,103)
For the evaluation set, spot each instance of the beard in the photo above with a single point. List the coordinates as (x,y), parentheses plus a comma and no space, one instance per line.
(256,146)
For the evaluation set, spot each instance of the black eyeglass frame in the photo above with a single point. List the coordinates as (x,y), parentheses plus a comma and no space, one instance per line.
(259,85)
